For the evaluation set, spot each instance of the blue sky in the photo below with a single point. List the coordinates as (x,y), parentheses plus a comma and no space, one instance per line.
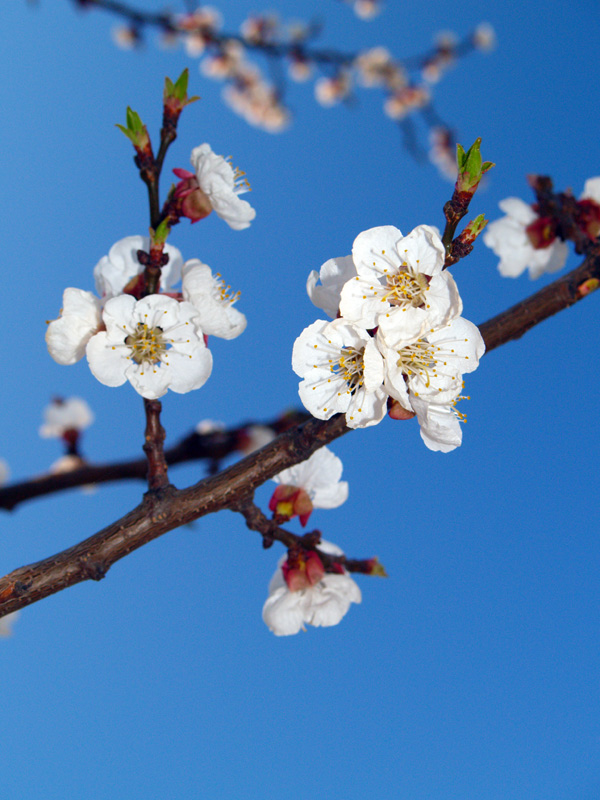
(472,672)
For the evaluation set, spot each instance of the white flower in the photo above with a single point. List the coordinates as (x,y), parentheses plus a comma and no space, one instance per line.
(7,622)
(319,476)
(153,343)
(72,414)
(80,318)
(508,238)
(333,275)
(213,301)
(114,271)
(425,376)
(322,604)
(222,185)
(342,371)
(400,285)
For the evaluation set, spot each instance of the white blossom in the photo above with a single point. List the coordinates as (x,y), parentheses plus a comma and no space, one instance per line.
(213,301)
(61,415)
(319,476)
(508,238)
(321,605)
(114,271)
(222,185)
(80,318)
(425,376)
(342,372)
(333,275)
(399,284)
(153,343)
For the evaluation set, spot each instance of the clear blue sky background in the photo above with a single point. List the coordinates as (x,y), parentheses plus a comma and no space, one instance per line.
(472,672)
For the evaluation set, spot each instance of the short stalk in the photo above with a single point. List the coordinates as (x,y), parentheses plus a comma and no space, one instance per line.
(154,446)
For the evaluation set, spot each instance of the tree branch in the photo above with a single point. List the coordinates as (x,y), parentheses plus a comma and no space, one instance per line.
(166,509)
(213,447)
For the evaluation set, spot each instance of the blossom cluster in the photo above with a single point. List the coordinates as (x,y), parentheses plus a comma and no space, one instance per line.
(157,341)
(250,94)
(396,340)
(525,240)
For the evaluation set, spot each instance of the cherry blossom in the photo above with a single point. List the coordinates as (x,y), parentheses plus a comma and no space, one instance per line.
(115,271)
(321,599)
(333,275)
(314,483)
(425,376)
(342,372)
(400,285)
(522,241)
(63,417)
(213,301)
(153,343)
(216,185)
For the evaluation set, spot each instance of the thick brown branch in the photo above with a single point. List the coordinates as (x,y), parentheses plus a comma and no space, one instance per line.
(163,511)
(566,291)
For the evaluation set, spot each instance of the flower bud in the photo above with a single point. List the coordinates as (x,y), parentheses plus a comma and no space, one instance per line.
(290,501)
(470,167)
(302,569)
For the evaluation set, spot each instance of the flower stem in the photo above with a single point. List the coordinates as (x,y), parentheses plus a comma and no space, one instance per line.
(154,446)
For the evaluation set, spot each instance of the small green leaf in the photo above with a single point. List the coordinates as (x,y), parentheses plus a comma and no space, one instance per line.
(127,132)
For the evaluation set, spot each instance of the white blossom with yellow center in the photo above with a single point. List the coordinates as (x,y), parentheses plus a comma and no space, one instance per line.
(399,285)
(213,301)
(427,373)
(342,372)
(154,343)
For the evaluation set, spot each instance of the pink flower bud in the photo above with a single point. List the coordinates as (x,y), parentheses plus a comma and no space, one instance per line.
(290,501)
(302,570)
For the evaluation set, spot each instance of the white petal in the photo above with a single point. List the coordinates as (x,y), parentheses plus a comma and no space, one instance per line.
(333,275)
(518,210)
(107,363)
(591,190)
(67,336)
(283,613)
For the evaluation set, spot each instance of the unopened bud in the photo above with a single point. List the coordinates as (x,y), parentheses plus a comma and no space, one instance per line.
(136,131)
(470,167)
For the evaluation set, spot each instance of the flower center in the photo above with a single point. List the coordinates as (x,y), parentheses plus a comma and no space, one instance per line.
(147,344)
(406,288)
(351,367)
(418,359)
(224,292)
(241,184)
